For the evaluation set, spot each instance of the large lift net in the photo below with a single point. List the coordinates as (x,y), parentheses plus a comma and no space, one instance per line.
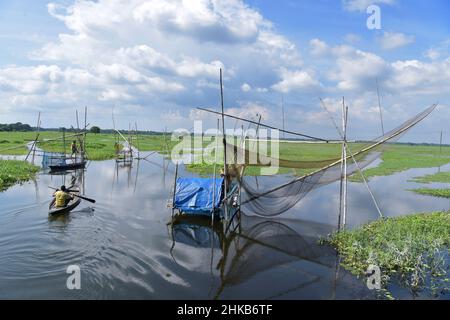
(275,201)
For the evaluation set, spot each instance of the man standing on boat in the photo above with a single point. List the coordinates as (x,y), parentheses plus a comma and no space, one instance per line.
(74,148)
(62,197)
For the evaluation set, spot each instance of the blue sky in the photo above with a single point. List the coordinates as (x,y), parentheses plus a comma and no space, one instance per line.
(153,61)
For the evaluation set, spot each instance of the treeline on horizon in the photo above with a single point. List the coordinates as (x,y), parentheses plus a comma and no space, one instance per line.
(23,127)
(18,126)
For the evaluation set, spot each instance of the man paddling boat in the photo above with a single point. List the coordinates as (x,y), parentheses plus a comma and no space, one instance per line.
(62,197)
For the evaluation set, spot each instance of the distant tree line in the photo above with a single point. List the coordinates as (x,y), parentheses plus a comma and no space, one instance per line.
(19,126)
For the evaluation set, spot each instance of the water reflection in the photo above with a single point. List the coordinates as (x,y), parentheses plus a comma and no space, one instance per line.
(125,248)
(258,248)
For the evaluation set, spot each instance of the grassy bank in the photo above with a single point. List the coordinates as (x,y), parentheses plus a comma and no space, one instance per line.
(399,158)
(441,193)
(14,171)
(411,248)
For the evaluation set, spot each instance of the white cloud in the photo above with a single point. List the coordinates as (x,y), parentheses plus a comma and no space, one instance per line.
(394,40)
(318,47)
(250,110)
(361,5)
(246,87)
(441,50)
(296,80)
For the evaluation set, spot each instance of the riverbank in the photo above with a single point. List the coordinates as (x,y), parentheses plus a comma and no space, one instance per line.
(412,249)
(15,171)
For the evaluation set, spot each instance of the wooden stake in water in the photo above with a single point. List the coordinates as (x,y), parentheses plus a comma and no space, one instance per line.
(215,174)
(343,185)
(174,189)
(225,169)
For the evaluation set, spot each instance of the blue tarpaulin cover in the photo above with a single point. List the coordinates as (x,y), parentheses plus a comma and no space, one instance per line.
(195,195)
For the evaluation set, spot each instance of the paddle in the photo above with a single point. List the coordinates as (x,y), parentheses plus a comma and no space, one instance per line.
(76,195)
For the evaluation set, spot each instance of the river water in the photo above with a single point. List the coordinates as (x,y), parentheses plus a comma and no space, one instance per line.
(126,248)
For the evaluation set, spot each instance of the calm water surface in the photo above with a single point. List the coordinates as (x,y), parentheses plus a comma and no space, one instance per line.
(126,249)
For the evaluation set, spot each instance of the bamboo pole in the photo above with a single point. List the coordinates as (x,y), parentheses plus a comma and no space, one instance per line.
(282,111)
(174,189)
(214,183)
(344,215)
(354,160)
(225,169)
(35,140)
(37,136)
(84,137)
(137,140)
(379,107)
(64,142)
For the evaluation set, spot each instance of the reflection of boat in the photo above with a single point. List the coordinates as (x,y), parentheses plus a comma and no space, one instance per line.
(197,231)
(68,166)
(53,211)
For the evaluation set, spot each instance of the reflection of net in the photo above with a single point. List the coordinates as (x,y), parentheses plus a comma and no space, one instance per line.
(266,245)
(277,200)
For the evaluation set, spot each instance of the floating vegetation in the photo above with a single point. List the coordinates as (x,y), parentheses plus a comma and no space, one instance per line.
(441,177)
(441,193)
(15,171)
(411,250)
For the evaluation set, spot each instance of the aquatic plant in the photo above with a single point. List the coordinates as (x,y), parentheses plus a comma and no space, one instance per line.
(15,171)
(441,177)
(412,250)
(441,193)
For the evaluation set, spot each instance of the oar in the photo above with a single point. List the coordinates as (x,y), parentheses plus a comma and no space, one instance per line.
(76,195)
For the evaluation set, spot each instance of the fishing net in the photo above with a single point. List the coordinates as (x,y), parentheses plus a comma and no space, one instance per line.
(53,159)
(275,201)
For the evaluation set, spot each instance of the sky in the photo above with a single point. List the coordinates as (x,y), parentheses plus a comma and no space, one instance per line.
(152,62)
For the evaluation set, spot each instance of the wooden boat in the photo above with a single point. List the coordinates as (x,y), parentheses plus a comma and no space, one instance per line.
(68,166)
(53,211)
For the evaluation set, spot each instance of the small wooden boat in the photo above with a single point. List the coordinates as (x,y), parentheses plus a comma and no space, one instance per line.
(68,166)
(53,211)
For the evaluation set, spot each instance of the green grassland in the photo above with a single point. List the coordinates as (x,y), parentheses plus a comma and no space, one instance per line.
(396,157)
(15,171)
(411,248)
(98,146)
(401,157)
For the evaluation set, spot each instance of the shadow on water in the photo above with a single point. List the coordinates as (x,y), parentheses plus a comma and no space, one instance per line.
(126,249)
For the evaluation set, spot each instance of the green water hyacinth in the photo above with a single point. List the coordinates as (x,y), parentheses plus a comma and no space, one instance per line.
(413,249)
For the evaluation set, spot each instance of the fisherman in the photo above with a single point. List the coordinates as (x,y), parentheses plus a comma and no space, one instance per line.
(117,147)
(62,197)
(74,148)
